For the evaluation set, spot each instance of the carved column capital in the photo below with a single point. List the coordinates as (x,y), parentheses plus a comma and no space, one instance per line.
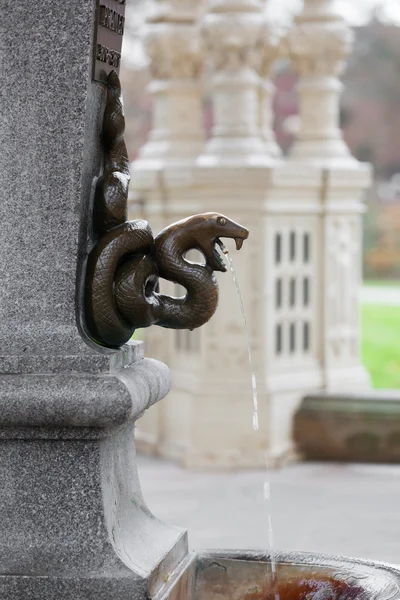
(172,41)
(174,51)
(320,42)
(231,39)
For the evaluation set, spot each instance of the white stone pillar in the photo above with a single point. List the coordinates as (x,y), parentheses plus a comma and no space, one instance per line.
(318,45)
(268,52)
(172,41)
(207,419)
(232,32)
(287,269)
(342,206)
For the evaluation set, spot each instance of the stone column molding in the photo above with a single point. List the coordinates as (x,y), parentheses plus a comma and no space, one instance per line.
(318,46)
(172,41)
(232,32)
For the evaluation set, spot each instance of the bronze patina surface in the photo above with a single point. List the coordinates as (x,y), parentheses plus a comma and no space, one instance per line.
(126,261)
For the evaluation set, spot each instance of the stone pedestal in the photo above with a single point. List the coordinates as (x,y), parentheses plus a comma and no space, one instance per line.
(73,522)
(342,196)
(319,44)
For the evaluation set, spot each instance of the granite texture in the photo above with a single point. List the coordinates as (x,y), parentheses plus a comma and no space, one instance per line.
(99,361)
(50,154)
(82,400)
(74,523)
(103,587)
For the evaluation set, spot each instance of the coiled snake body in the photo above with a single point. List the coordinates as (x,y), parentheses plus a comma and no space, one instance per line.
(126,261)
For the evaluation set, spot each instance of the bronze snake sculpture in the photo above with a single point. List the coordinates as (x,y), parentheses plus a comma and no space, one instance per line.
(126,261)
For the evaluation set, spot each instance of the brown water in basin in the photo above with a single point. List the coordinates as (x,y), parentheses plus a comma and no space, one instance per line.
(323,588)
(236,575)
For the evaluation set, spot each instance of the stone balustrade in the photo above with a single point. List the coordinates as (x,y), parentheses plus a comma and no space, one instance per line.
(300,271)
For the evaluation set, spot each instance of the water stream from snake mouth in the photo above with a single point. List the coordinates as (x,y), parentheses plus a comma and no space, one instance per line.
(267,482)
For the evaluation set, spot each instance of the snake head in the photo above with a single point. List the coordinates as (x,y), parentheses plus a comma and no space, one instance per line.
(211,227)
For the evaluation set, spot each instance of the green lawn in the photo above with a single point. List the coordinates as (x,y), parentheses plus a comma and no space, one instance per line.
(381,344)
(381,282)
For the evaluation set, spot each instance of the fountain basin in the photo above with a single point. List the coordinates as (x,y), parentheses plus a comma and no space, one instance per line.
(358,427)
(239,575)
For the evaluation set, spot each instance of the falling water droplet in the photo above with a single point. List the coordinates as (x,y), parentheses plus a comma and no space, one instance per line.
(246,329)
(255,421)
(271,540)
(267,484)
(267,490)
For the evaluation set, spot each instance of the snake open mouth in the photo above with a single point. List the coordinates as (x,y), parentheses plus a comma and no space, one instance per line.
(238,241)
(218,257)
(217,253)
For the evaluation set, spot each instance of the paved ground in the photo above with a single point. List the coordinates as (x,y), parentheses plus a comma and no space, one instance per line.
(381,295)
(342,509)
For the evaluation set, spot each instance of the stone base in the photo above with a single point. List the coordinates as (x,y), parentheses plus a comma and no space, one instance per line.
(350,427)
(117,585)
(73,522)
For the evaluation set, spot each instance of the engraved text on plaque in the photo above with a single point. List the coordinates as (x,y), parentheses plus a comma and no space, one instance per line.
(110,23)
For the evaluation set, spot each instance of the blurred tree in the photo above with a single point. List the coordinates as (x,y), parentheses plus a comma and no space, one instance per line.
(371,98)
(371,124)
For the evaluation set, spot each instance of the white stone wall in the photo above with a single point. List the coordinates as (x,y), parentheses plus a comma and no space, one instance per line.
(300,269)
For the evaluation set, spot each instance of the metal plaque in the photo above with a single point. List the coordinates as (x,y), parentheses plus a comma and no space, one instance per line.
(109,29)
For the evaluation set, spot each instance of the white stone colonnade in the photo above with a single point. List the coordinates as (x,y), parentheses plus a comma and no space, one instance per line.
(299,271)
